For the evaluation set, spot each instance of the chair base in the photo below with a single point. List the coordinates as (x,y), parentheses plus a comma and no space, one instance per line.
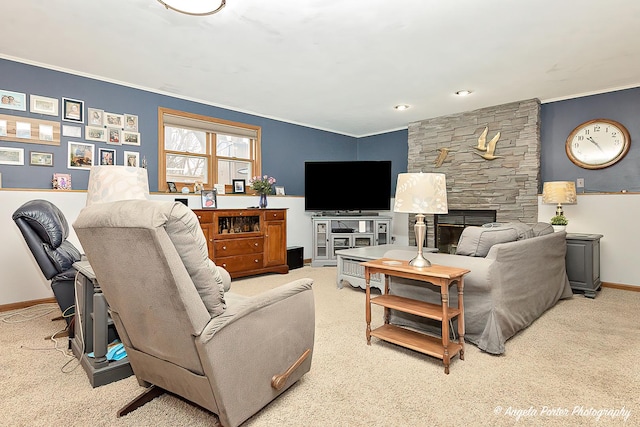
(142,399)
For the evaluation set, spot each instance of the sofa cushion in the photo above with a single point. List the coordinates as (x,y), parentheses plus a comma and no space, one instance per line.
(542,228)
(476,241)
(186,234)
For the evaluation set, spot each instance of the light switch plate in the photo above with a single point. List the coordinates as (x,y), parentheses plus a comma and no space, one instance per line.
(580,182)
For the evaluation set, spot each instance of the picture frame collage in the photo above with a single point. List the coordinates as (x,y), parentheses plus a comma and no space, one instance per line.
(72,115)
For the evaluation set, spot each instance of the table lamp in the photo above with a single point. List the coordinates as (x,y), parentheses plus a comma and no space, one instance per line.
(421,193)
(113,183)
(559,192)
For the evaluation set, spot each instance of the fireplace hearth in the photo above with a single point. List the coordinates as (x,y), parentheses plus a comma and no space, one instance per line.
(448,227)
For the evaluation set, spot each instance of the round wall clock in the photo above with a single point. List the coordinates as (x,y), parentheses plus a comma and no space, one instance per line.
(598,143)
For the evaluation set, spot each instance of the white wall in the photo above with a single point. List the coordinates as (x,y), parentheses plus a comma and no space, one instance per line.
(612,215)
(22,280)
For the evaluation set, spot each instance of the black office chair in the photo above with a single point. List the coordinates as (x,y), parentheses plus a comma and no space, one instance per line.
(45,230)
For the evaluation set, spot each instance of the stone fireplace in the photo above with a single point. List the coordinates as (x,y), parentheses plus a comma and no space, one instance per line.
(507,185)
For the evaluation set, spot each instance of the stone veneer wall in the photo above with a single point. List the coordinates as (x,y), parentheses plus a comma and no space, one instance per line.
(508,184)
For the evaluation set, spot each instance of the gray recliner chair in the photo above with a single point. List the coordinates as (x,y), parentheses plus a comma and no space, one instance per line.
(182,332)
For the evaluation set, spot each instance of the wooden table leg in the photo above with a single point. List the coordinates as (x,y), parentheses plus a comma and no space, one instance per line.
(444,293)
(367,277)
(460,285)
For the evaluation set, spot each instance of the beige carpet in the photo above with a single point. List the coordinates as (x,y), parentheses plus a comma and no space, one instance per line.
(580,354)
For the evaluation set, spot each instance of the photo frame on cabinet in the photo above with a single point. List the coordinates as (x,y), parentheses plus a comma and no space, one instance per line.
(239,186)
(172,187)
(72,110)
(37,158)
(43,105)
(279,190)
(61,181)
(209,199)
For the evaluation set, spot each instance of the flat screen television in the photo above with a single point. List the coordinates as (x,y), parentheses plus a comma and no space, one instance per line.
(347,186)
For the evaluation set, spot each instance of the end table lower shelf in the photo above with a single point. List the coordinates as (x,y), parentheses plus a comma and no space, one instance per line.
(416,341)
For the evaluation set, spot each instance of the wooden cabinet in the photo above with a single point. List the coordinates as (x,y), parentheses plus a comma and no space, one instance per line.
(246,241)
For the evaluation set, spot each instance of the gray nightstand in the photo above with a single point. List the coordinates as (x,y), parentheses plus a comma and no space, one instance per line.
(583,262)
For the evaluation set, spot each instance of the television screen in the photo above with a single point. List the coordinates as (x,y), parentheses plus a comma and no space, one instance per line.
(343,186)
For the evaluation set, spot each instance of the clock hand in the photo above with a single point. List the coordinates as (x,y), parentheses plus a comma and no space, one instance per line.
(595,143)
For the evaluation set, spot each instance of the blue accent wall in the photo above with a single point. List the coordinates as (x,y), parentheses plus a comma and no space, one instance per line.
(560,118)
(392,146)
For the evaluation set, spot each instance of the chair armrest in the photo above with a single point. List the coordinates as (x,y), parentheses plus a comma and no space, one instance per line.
(226,278)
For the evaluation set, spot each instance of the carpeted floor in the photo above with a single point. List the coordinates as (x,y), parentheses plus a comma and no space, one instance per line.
(574,366)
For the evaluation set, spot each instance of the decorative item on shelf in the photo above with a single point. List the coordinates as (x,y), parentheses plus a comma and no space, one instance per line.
(559,223)
(61,181)
(113,183)
(263,186)
(559,192)
(421,193)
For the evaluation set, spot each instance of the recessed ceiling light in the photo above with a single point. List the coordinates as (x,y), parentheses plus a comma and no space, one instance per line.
(401,107)
(463,92)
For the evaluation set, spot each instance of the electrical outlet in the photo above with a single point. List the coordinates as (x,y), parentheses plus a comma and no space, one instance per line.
(580,182)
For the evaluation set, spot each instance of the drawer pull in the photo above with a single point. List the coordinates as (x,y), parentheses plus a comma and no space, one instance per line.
(255,260)
(224,248)
(224,264)
(255,244)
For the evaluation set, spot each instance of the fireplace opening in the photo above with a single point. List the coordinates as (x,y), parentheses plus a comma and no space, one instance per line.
(448,227)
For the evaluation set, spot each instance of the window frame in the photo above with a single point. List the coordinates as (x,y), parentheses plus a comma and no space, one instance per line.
(255,156)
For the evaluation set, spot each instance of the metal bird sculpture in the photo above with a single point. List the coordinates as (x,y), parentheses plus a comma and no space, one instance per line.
(482,141)
(442,154)
(491,147)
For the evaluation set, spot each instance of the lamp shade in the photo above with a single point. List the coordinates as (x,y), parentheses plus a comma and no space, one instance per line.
(113,183)
(422,193)
(563,192)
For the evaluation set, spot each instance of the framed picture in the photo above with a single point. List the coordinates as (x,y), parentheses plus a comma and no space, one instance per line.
(61,181)
(279,190)
(45,132)
(11,156)
(114,136)
(132,158)
(37,158)
(209,199)
(43,105)
(23,130)
(130,138)
(106,156)
(72,131)
(113,120)
(130,123)
(93,133)
(13,100)
(80,155)
(72,110)
(95,117)
(172,187)
(239,186)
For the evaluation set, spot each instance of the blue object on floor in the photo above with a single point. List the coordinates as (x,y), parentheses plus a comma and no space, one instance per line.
(116,351)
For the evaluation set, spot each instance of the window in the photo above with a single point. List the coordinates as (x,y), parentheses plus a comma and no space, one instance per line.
(194,148)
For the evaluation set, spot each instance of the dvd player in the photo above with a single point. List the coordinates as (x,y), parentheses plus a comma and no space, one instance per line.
(342,230)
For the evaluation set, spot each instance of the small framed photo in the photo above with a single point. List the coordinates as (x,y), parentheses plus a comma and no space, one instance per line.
(43,105)
(106,156)
(45,132)
(279,190)
(37,158)
(95,117)
(72,110)
(72,131)
(114,136)
(23,130)
(132,158)
(13,100)
(209,199)
(130,138)
(239,186)
(11,156)
(61,181)
(130,123)
(3,128)
(93,133)
(172,187)
(80,155)
(113,120)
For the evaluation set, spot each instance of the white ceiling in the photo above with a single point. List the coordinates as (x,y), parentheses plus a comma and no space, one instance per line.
(338,65)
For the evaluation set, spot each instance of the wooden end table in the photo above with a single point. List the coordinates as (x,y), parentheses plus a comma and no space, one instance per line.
(437,275)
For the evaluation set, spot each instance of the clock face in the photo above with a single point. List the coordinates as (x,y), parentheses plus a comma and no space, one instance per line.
(597,144)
